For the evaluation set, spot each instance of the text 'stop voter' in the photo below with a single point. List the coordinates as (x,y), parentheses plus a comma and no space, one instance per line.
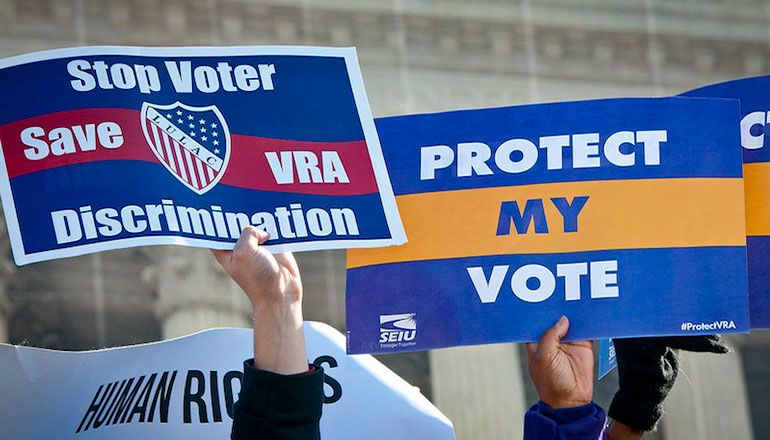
(109,147)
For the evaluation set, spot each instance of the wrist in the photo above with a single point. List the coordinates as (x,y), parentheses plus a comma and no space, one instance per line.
(561,403)
(279,340)
(289,312)
(621,431)
(274,298)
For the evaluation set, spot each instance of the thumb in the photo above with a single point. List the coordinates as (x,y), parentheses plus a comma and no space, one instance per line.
(553,335)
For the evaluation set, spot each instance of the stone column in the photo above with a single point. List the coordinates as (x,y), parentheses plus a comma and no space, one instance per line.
(708,401)
(195,293)
(480,389)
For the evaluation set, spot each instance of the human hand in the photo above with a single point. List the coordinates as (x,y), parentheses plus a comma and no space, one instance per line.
(266,279)
(561,371)
(274,287)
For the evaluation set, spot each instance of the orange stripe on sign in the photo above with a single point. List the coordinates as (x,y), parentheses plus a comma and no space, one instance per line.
(756,178)
(619,214)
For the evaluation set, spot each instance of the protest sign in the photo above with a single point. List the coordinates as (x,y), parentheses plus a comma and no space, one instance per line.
(607,358)
(754,96)
(110,147)
(626,215)
(184,389)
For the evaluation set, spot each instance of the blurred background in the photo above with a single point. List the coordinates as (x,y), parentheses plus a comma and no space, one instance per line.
(416,56)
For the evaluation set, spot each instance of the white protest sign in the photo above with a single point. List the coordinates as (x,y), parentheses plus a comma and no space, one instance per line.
(191,383)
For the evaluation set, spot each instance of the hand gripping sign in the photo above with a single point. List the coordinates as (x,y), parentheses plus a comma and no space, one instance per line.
(109,147)
(185,388)
(626,215)
(754,96)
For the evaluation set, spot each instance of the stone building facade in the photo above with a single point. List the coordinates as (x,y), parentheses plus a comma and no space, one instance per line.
(416,56)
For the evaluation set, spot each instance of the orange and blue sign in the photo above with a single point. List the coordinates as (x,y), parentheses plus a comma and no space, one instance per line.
(626,215)
(754,96)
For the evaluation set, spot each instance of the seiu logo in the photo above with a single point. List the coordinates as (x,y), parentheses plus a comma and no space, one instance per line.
(398,328)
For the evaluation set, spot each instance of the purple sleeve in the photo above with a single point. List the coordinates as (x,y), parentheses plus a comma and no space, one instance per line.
(585,422)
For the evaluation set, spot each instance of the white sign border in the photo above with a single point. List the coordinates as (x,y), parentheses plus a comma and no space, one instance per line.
(393,219)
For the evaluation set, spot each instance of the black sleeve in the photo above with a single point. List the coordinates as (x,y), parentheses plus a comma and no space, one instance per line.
(274,406)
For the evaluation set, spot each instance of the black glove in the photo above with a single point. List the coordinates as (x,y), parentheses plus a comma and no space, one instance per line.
(647,370)
(700,344)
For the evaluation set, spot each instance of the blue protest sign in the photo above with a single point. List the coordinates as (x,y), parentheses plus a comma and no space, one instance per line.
(607,359)
(108,147)
(625,215)
(754,96)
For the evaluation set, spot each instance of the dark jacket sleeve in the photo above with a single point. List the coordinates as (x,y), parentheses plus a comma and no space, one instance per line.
(274,406)
(581,423)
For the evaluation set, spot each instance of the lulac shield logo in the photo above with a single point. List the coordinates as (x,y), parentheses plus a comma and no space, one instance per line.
(193,143)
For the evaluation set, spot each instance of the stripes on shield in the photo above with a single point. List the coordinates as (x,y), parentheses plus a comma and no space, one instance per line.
(184,164)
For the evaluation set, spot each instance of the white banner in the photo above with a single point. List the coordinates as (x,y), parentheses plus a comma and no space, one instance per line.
(183,389)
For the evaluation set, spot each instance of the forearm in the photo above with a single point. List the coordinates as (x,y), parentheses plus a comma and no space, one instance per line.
(279,340)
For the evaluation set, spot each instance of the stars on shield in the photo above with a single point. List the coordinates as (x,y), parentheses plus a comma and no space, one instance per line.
(193,143)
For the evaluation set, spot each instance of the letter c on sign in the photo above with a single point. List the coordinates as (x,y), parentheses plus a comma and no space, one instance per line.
(748,140)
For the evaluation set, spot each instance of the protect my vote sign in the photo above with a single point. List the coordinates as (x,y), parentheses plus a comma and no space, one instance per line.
(754,95)
(626,215)
(109,147)
(185,389)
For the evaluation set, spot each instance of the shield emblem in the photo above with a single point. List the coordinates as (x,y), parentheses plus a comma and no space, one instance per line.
(193,143)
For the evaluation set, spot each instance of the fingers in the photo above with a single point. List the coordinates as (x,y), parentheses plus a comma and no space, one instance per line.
(253,236)
(249,241)
(262,235)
